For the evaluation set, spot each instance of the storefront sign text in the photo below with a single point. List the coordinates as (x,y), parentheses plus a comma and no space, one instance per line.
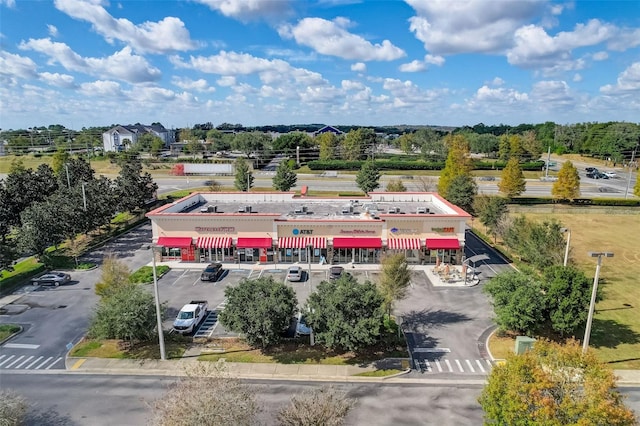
(215,229)
(403,231)
(357,231)
(448,230)
(302,231)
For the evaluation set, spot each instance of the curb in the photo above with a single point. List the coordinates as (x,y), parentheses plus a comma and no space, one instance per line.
(11,336)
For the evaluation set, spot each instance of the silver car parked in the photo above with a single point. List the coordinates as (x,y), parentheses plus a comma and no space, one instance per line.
(52,278)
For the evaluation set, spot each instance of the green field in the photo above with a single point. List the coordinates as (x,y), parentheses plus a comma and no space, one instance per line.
(615,334)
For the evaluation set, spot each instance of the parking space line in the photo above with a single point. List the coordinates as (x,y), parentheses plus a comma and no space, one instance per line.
(178,279)
(196,281)
(446,361)
(480,365)
(459,366)
(439,366)
(427,365)
(470,365)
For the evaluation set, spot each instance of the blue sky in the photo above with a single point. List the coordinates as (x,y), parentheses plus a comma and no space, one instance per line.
(440,62)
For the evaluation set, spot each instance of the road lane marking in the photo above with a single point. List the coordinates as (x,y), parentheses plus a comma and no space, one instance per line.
(15,361)
(31,365)
(25,361)
(470,365)
(432,350)
(44,362)
(459,366)
(489,364)
(54,363)
(427,365)
(78,363)
(10,356)
(439,366)
(21,346)
(480,365)
(446,361)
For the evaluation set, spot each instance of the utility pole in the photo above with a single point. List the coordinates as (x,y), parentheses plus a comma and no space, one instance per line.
(84,197)
(633,156)
(66,166)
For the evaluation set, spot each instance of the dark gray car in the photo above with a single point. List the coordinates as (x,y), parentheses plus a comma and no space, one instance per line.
(212,272)
(51,278)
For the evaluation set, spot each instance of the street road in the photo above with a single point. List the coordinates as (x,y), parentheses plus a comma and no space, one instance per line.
(78,399)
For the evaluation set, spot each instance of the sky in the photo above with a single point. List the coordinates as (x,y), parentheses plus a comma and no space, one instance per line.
(336,62)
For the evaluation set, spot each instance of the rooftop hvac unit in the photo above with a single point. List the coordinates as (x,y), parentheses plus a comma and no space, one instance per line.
(212,209)
(245,209)
(300,210)
(394,209)
(348,209)
(422,210)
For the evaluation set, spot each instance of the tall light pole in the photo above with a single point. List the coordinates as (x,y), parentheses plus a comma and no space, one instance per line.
(309,248)
(163,355)
(566,249)
(592,305)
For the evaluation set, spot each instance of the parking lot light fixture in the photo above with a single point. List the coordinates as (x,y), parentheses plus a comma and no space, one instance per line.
(592,305)
(566,249)
(310,250)
(163,355)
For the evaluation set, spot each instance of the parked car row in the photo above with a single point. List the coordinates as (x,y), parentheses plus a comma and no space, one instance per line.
(594,173)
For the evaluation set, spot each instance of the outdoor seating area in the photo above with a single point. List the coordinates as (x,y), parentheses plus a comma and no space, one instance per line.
(446,274)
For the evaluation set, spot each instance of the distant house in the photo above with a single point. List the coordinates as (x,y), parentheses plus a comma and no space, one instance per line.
(121,138)
(326,129)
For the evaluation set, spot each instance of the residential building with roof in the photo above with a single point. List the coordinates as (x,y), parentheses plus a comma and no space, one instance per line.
(121,138)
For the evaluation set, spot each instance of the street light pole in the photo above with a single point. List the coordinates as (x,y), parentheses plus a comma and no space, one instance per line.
(594,292)
(566,249)
(163,355)
(309,248)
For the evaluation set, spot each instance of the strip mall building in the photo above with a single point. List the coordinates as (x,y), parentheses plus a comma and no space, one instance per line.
(279,227)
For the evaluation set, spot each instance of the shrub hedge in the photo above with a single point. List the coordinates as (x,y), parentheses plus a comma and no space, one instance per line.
(399,164)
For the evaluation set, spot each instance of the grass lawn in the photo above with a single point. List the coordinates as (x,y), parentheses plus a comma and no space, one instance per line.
(114,349)
(21,271)
(7,330)
(236,350)
(615,334)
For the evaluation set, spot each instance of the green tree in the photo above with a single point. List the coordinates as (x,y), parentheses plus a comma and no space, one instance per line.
(532,145)
(243,176)
(431,144)
(568,295)
(458,161)
(157,145)
(554,384)
(260,309)
(285,178)
(345,314)
(395,185)
(193,147)
(395,277)
(319,406)
(512,181)
(289,142)
(41,228)
(58,161)
(541,244)
(251,142)
(328,144)
(567,187)
(134,188)
(518,301)
(405,143)
(127,314)
(206,396)
(368,178)
(13,408)
(636,188)
(353,145)
(114,276)
(491,211)
(462,192)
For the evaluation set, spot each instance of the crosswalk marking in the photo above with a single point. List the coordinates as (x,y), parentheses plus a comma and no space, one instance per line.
(20,346)
(44,362)
(426,364)
(31,365)
(489,364)
(15,361)
(459,366)
(446,361)
(480,365)
(54,363)
(439,366)
(25,361)
(6,360)
(470,365)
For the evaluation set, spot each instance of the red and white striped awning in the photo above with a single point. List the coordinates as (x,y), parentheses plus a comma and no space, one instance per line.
(302,242)
(403,243)
(213,242)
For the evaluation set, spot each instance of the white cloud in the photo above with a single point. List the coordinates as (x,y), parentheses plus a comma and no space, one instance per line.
(434,59)
(167,35)
(59,80)
(553,95)
(450,27)
(407,93)
(628,81)
(53,30)
(534,48)
(226,81)
(359,67)
(577,78)
(497,81)
(500,95)
(245,10)
(413,66)
(102,88)
(352,85)
(9,3)
(332,38)
(16,66)
(122,65)
(200,85)
(600,56)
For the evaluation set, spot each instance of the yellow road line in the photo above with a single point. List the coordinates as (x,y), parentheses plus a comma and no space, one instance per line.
(78,364)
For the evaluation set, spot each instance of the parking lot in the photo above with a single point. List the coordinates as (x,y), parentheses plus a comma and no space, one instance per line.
(180,286)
